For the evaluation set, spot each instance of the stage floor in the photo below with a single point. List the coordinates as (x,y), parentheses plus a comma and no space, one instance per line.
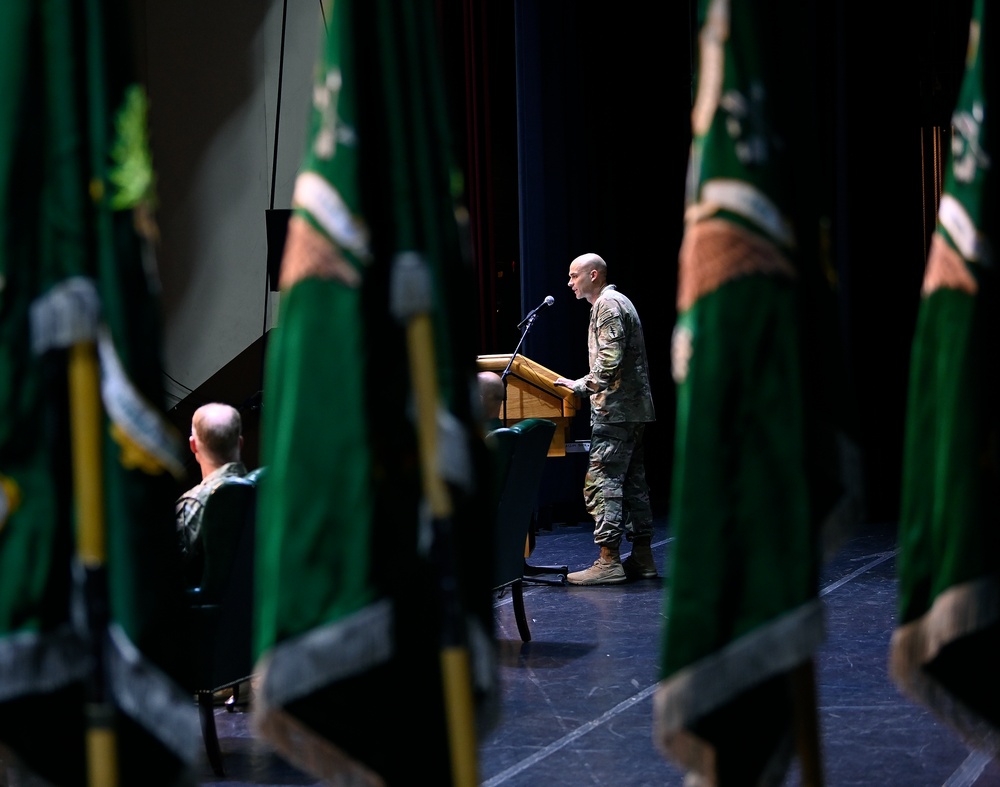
(577,699)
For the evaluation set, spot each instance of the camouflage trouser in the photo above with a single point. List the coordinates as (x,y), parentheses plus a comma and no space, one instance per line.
(615,489)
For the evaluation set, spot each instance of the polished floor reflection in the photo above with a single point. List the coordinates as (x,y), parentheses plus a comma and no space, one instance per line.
(577,698)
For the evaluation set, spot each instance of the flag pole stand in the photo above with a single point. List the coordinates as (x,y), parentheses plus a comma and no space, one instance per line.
(85,420)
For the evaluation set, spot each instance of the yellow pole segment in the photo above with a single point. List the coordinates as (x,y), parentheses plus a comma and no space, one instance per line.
(85,419)
(102,754)
(420,338)
(457,675)
(85,425)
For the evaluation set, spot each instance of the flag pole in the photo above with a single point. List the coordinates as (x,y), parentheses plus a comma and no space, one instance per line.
(411,303)
(85,419)
(806,724)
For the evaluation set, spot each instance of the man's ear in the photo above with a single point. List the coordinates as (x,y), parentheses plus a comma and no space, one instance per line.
(193,444)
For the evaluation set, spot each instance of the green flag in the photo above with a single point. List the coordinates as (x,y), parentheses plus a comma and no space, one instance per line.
(947,644)
(364,578)
(757,484)
(89,616)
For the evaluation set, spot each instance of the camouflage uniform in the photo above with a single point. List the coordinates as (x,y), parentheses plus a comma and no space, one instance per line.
(189,509)
(621,404)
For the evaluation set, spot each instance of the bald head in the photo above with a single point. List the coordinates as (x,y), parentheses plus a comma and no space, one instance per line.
(216,434)
(492,392)
(588,274)
(591,261)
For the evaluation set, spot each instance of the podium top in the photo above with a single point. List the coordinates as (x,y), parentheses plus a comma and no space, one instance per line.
(532,373)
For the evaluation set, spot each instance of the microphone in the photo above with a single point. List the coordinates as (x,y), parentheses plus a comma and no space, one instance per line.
(549,300)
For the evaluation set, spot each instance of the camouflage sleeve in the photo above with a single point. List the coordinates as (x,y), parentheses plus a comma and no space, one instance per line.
(188,510)
(580,387)
(607,349)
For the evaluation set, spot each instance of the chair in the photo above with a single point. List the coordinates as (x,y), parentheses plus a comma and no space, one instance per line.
(527,444)
(532,452)
(507,554)
(220,608)
(256,474)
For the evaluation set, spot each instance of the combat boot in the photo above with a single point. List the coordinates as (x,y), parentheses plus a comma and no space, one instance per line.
(607,570)
(640,564)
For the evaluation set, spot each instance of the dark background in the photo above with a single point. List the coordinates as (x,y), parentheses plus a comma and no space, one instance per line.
(576,127)
(590,102)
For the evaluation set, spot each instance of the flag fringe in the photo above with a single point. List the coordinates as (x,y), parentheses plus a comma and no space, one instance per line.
(37,662)
(69,313)
(149,697)
(65,315)
(149,442)
(353,645)
(695,691)
(699,758)
(310,751)
(960,611)
(298,667)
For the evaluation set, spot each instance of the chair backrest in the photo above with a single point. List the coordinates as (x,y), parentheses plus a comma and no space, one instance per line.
(256,474)
(519,495)
(222,606)
(228,512)
(501,442)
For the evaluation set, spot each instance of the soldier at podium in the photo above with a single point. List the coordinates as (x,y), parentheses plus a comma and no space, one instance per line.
(621,404)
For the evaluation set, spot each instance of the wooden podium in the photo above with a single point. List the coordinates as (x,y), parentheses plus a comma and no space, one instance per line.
(532,393)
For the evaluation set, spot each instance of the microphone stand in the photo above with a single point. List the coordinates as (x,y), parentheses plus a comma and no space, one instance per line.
(528,322)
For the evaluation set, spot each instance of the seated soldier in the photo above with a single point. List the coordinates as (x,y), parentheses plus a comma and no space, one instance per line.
(217,442)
